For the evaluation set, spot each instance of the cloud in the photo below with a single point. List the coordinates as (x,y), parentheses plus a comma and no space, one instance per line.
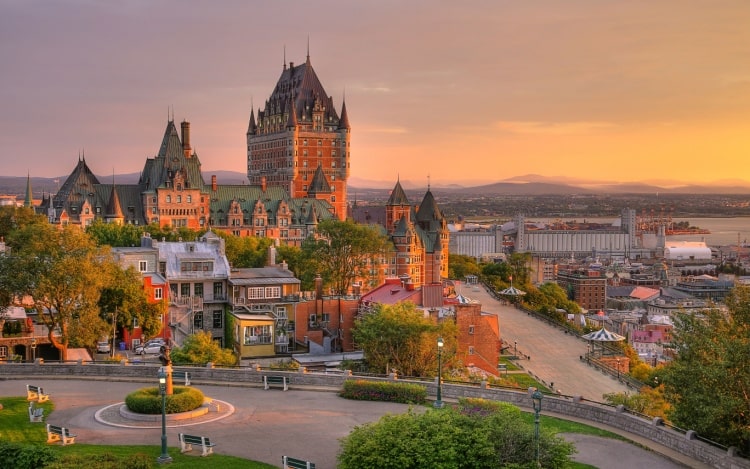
(383,130)
(553,128)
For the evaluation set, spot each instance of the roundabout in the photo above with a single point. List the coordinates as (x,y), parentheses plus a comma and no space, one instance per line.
(118,415)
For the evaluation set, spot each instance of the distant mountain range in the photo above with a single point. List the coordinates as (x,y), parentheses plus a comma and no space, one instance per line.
(531,184)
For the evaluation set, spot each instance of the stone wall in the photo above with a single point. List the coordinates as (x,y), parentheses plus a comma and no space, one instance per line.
(617,417)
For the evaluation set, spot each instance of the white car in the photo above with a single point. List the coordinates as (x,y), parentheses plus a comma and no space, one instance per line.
(150,347)
(103,346)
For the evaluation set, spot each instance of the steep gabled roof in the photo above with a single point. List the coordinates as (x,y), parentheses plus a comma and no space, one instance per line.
(79,185)
(113,206)
(398,196)
(171,160)
(428,209)
(319,184)
(300,85)
(252,126)
(344,121)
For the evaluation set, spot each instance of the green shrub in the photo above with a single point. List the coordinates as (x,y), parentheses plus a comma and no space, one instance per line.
(452,439)
(404,393)
(148,400)
(21,456)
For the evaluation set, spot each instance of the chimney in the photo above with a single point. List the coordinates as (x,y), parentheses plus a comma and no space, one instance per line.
(213,183)
(271,256)
(318,287)
(263,184)
(186,138)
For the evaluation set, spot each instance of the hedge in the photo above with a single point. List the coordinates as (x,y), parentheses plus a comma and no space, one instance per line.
(404,393)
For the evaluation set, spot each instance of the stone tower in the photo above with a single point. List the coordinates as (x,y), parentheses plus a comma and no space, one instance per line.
(299,141)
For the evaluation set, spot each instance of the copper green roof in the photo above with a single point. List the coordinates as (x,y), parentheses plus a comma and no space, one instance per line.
(398,196)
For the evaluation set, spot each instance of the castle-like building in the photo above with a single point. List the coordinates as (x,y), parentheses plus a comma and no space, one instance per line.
(299,142)
(420,237)
(171,191)
(298,165)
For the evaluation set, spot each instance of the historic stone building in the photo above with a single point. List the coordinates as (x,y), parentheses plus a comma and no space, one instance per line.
(420,237)
(171,192)
(299,142)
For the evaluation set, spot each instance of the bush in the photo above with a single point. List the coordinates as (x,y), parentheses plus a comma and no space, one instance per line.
(148,400)
(21,456)
(471,434)
(384,391)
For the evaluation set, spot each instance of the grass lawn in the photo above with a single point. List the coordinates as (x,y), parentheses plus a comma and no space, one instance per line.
(15,427)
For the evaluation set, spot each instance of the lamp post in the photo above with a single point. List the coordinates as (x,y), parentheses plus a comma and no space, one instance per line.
(439,401)
(515,347)
(164,458)
(618,368)
(536,402)
(33,349)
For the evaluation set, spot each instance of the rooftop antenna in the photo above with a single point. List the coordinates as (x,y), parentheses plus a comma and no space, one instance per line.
(428,181)
(284,56)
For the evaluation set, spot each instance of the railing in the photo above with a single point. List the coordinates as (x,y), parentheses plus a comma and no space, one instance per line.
(685,442)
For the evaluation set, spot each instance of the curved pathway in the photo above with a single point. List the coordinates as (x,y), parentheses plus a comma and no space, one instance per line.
(265,425)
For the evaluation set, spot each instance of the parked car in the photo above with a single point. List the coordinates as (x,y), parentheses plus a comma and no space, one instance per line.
(103,346)
(152,346)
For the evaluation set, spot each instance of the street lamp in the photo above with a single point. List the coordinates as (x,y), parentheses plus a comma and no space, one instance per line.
(439,401)
(515,347)
(164,458)
(618,368)
(33,349)
(536,402)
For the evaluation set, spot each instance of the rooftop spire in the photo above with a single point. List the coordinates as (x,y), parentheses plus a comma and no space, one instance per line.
(308,48)
(28,201)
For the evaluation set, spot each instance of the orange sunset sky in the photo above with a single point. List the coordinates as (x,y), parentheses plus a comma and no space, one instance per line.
(465,92)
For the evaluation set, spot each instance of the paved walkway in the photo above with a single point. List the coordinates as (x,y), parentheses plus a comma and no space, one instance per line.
(265,425)
(555,355)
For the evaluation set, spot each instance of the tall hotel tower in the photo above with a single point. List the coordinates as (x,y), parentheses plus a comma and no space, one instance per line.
(299,142)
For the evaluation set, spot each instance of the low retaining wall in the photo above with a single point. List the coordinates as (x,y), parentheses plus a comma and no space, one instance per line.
(617,417)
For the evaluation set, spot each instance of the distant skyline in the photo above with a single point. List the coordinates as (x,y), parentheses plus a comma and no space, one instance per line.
(464,92)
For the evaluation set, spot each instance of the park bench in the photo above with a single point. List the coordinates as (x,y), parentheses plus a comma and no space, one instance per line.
(293,463)
(182,375)
(36,414)
(187,442)
(275,381)
(62,434)
(35,393)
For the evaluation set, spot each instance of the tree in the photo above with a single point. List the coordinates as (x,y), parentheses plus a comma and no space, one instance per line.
(63,272)
(124,302)
(115,235)
(475,433)
(342,251)
(459,266)
(200,349)
(245,251)
(399,336)
(708,383)
(519,264)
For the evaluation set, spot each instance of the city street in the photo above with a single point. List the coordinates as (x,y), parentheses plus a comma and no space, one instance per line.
(554,354)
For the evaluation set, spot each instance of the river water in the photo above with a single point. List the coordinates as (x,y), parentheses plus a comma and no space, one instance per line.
(724,231)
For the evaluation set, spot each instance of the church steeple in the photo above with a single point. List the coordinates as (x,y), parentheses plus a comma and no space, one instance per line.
(28,201)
